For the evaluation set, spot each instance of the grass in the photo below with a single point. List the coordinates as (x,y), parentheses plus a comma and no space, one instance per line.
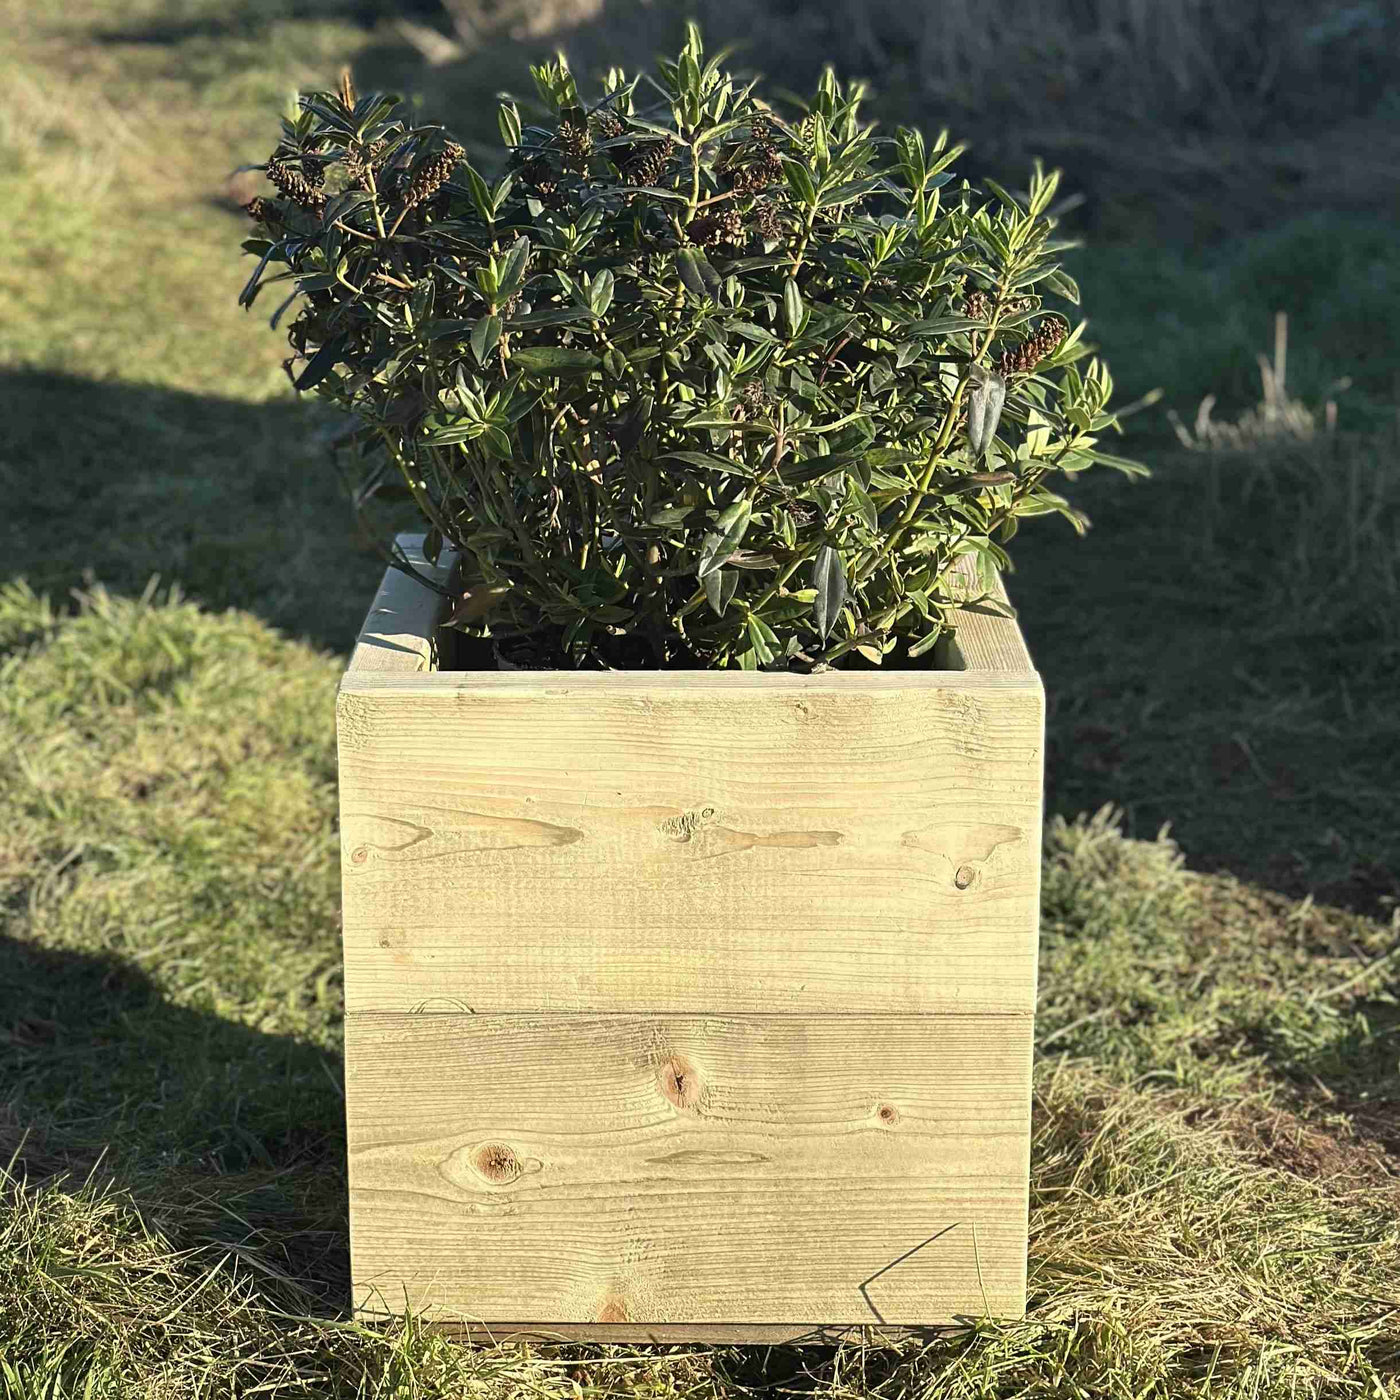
(1215,1188)
(1252,713)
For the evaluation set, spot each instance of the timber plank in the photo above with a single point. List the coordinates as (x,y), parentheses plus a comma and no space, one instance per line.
(549,845)
(753,1171)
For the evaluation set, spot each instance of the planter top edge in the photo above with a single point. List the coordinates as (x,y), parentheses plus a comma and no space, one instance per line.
(681,682)
(397,649)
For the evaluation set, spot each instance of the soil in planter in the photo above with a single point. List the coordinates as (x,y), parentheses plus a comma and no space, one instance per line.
(459,652)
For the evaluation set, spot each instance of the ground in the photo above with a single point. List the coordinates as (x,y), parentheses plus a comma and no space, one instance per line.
(1216,1163)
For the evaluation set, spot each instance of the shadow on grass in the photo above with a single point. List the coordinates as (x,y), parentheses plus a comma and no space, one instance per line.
(1193,678)
(235,1134)
(239,503)
(253,17)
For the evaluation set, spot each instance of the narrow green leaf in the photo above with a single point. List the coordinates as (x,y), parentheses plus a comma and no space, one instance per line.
(800,182)
(670,515)
(942,325)
(727,536)
(829,580)
(1121,464)
(853,189)
(889,457)
(653,190)
(513,272)
(449,328)
(984,406)
(1006,197)
(688,266)
(865,507)
(553,316)
(481,196)
(720,585)
(600,294)
(547,358)
(1062,284)
(459,430)
(762,640)
(484,337)
(321,363)
(712,280)
(495,441)
(808,469)
(508,119)
(709,462)
(749,331)
(250,290)
(792,306)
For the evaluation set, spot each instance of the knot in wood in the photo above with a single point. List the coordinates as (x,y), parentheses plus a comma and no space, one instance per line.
(964,877)
(888,1114)
(497,1162)
(684,826)
(680,1082)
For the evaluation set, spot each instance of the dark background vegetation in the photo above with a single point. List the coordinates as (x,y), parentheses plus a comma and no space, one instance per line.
(1219,653)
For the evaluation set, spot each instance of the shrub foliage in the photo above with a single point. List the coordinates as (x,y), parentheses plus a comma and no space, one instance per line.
(690,384)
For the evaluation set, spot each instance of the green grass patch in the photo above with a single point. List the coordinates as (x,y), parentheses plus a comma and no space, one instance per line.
(1216,654)
(1212,1194)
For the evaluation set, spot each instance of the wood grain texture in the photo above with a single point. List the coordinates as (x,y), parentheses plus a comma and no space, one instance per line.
(643,1170)
(986,635)
(524,842)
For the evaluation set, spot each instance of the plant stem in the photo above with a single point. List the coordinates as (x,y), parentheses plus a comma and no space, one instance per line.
(945,434)
(694,181)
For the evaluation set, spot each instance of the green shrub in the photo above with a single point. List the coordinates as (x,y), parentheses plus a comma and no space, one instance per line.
(691,384)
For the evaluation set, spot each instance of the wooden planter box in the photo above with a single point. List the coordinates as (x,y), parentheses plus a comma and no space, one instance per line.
(688,1005)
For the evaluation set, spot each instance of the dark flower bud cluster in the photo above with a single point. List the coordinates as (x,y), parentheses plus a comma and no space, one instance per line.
(763,170)
(1026,356)
(576,141)
(433,176)
(763,166)
(768,220)
(753,399)
(649,166)
(762,129)
(361,162)
(295,185)
(754,394)
(710,230)
(539,175)
(606,125)
(978,305)
(263,211)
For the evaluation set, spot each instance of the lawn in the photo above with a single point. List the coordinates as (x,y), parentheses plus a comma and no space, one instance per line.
(1216,1160)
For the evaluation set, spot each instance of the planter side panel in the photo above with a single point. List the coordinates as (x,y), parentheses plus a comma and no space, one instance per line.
(749,1170)
(512,844)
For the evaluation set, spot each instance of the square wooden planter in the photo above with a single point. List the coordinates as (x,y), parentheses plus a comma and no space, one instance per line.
(688,1005)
